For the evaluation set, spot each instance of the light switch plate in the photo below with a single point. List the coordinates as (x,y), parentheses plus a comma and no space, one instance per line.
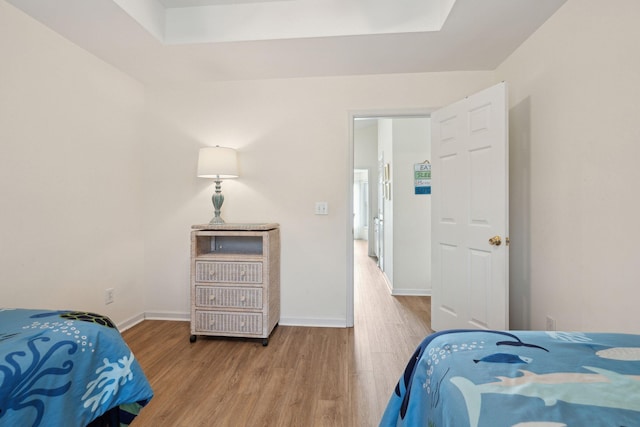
(322,208)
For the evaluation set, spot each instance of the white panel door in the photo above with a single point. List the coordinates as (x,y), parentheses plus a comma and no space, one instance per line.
(469,208)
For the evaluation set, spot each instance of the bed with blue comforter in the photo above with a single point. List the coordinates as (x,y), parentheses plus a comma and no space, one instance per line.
(463,378)
(66,368)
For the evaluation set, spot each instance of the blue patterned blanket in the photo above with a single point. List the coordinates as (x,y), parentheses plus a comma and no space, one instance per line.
(469,378)
(65,368)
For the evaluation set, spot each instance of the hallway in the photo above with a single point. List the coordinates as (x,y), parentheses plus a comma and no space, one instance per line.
(386,332)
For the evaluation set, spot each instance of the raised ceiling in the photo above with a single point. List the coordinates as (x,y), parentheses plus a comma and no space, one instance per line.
(178,41)
(197,3)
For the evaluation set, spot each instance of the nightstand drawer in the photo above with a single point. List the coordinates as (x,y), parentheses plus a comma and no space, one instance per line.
(229,296)
(228,272)
(240,323)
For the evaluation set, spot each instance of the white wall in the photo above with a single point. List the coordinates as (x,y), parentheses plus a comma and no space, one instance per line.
(86,207)
(574,91)
(411,212)
(70,222)
(293,141)
(83,208)
(365,156)
(402,142)
(385,152)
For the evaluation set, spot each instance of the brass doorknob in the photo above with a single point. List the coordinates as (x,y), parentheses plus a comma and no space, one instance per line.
(495,241)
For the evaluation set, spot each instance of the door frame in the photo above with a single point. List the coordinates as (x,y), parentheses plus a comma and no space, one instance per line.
(364,114)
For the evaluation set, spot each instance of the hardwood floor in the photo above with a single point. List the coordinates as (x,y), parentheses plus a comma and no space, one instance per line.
(304,377)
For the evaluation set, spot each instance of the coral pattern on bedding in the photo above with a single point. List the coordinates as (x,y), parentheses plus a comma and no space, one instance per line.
(65,368)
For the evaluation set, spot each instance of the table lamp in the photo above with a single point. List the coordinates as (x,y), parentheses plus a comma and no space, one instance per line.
(218,163)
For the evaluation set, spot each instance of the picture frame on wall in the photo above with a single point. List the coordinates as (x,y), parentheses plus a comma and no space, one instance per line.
(387,181)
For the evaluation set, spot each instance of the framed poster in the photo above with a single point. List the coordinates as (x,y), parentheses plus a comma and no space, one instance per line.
(387,181)
(422,177)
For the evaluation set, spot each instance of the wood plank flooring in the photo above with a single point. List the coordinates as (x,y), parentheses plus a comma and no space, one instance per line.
(305,377)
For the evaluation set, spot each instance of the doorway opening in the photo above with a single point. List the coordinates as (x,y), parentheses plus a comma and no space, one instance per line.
(388,214)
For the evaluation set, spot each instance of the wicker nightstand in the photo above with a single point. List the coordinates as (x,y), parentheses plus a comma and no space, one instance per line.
(235,280)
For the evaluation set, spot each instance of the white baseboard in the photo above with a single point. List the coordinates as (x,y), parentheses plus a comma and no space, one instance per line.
(406,292)
(167,315)
(185,317)
(131,322)
(411,292)
(313,322)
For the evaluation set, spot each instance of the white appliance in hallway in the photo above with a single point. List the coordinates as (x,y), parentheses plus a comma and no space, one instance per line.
(361,204)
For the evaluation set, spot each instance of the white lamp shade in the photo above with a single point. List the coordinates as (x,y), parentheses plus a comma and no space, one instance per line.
(217,162)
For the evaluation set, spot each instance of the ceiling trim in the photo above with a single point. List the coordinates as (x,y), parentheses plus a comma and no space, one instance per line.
(476,36)
(216,21)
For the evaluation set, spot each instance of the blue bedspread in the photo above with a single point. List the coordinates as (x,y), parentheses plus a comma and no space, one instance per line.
(65,368)
(505,379)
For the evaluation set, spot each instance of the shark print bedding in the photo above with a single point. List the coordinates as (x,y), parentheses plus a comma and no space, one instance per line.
(66,368)
(474,378)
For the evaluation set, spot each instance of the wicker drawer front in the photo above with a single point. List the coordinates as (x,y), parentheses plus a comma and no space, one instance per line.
(228,272)
(227,296)
(240,323)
